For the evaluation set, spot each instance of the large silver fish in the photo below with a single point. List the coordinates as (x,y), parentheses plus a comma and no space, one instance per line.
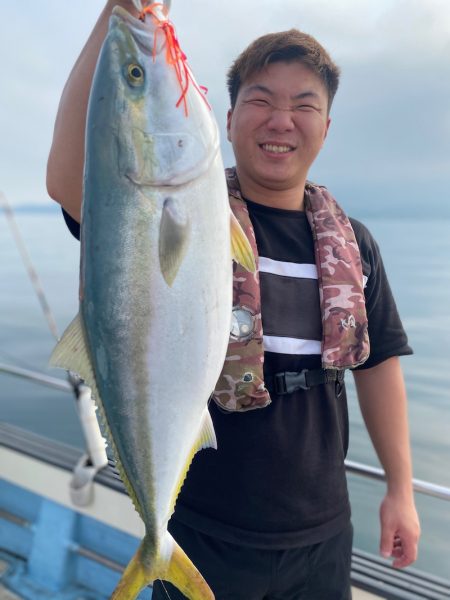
(155,278)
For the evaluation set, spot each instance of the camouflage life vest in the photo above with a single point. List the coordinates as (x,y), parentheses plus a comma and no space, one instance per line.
(345,340)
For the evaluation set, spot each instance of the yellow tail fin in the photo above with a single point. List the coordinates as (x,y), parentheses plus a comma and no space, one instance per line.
(172,565)
(134,578)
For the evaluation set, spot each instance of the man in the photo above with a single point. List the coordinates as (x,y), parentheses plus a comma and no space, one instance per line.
(267,514)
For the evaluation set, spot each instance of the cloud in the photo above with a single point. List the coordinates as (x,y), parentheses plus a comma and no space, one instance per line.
(41,43)
(392,109)
(391,119)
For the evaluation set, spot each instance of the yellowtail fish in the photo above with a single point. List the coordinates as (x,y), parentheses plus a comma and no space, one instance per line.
(155,279)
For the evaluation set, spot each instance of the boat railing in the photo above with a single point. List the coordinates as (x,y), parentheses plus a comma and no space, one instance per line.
(420,486)
(352,467)
(41,378)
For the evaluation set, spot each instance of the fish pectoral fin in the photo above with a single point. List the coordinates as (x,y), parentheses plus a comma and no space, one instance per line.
(179,570)
(241,250)
(71,353)
(174,233)
(171,564)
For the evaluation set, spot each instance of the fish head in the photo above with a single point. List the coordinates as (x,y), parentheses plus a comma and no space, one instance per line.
(163,128)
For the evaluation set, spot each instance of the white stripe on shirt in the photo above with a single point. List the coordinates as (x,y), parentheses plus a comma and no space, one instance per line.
(290,269)
(287,269)
(287,345)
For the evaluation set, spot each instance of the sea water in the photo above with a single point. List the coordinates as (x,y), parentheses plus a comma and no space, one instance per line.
(416,254)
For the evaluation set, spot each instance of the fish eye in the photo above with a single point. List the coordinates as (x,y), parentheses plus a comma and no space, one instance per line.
(135,74)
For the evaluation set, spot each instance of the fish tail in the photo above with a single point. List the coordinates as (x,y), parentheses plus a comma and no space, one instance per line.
(171,564)
(134,578)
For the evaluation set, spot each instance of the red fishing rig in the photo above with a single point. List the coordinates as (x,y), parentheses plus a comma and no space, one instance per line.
(174,54)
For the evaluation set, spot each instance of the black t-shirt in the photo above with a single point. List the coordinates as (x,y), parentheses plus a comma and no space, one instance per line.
(277,479)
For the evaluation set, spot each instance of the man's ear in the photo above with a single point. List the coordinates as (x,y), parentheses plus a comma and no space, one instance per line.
(229,115)
(326,130)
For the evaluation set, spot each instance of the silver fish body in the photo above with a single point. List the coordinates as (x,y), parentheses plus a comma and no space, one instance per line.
(157,347)
(155,275)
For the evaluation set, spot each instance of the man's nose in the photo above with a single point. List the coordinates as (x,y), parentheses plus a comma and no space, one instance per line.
(281,119)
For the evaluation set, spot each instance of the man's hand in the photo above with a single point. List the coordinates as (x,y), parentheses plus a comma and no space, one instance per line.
(400,530)
(382,398)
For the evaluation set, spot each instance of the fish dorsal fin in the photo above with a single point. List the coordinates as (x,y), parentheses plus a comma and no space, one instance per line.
(71,353)
(241,250)
(174,233)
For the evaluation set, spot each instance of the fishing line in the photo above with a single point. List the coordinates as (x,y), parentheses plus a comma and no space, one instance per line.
(32,274)
(165,589)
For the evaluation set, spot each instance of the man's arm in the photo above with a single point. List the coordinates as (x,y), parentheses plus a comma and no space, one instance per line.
(66,159)
(382,398)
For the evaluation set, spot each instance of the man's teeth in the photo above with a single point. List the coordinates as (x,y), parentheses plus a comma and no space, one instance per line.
(273,148)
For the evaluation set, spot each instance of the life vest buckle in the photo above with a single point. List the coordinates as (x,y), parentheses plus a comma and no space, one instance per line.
(288,382)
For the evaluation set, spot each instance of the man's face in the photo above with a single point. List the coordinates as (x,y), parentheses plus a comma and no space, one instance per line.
(278,126)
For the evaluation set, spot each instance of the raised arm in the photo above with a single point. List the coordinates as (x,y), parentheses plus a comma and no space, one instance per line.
(66,158)
(382,398)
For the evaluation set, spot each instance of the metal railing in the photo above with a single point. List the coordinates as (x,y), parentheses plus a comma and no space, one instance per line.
(355,468)
(420,486)
(41,378)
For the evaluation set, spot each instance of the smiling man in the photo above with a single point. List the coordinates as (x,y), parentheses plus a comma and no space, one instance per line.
(267,515)
(277,127)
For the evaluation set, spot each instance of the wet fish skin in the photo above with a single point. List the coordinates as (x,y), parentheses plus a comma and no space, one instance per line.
(155,282)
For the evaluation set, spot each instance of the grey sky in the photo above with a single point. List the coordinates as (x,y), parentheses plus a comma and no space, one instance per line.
(390,123)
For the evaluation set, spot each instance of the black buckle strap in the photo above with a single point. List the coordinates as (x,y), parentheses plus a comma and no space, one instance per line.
(289,381)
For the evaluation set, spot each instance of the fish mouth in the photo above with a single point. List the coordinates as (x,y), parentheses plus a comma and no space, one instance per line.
(122,13)
(143,31)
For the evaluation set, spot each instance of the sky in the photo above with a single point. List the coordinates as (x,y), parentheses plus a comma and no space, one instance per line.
(388,148)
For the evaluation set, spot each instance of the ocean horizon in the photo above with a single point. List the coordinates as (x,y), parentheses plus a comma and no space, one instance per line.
(371,208)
